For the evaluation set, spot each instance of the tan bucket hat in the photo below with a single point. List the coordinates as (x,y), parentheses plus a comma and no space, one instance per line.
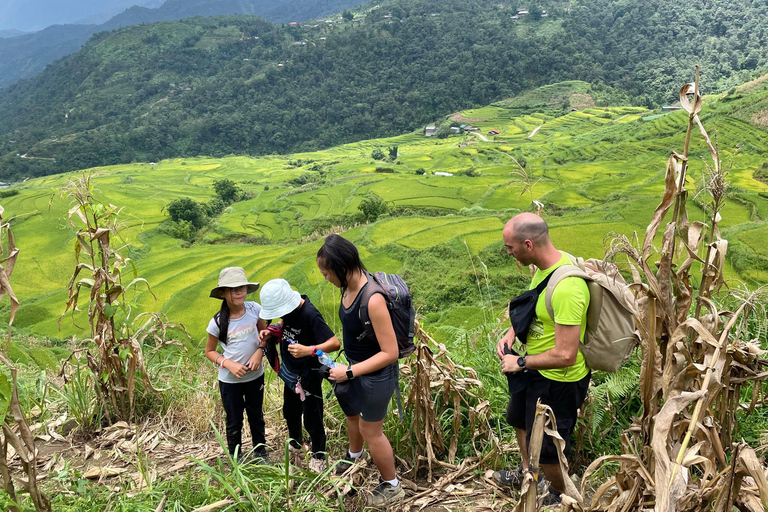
(278,299)
(233,277)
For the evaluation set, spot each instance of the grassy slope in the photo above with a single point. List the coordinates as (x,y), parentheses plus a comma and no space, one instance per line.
(600,171)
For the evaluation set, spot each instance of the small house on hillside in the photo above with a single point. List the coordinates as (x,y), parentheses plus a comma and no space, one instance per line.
(294,24)
(670,108)
(455,130)
(430,131)
(493,132)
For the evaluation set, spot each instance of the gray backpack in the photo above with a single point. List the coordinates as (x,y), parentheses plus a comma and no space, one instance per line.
(610,336)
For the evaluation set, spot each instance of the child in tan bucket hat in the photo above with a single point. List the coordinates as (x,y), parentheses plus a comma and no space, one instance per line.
(241,374)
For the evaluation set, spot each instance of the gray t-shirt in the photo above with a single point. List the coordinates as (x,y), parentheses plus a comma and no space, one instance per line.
(242,342)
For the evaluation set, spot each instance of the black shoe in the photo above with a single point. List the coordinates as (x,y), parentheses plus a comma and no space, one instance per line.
(509,477)
(344,464)
(552,498)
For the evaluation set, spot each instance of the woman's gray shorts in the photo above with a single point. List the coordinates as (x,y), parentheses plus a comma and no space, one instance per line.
(377,392)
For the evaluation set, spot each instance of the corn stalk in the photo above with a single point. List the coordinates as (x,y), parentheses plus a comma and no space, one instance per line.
(19,437)
(7,263)
(437,384)
(114,349)
(678,455)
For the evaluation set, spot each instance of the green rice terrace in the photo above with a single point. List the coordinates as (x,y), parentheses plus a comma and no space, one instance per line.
(597,172)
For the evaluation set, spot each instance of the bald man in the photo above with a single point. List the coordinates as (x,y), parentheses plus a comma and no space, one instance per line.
(555,368)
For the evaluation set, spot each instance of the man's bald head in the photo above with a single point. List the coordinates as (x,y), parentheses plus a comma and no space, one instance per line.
(528,226)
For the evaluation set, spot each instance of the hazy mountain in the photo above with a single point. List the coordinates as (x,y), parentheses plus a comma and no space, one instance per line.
(25,56)
(28,15)
(11,33)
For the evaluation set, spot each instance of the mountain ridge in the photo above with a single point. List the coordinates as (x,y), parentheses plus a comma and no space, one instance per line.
(29,54)
(240,85)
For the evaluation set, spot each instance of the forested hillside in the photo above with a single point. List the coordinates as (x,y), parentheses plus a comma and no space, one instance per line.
(215,86)
(25,56)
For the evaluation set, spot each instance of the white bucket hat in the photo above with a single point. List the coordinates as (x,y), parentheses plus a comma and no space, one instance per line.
(277,299)
(233,277)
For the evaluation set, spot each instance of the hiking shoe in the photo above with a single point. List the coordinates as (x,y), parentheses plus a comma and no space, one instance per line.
(509,477)
(317,465)
(552,498)
(344,464)
(385,495)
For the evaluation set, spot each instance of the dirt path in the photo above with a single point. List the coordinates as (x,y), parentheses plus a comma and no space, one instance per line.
(481,136)
(535,130)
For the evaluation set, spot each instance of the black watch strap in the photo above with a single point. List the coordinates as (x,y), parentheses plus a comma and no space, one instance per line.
(350,375)
(521,361)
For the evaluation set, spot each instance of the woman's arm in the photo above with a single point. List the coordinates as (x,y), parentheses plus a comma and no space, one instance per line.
(385,335)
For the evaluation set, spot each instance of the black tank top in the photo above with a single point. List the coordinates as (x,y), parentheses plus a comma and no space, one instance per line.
(357,346)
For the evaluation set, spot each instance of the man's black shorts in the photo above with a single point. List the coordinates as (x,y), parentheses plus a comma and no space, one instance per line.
(564,398)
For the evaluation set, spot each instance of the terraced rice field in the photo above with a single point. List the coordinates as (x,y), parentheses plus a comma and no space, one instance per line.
(597,171)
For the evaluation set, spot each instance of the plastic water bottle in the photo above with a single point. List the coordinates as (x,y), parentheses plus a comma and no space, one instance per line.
(325,359)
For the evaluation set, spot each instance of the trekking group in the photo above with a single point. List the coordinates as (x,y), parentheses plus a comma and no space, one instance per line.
(543,353)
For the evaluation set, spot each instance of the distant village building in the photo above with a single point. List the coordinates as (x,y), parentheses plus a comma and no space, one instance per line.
(387,16)
(670,108)
(430,131)
(455,130)
(515,17)
(522,13)
(441,173)
(294,24)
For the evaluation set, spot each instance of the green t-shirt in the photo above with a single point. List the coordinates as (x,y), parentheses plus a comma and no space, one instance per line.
(569,301)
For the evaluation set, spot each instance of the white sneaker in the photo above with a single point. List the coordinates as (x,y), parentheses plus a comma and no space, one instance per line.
(317,465)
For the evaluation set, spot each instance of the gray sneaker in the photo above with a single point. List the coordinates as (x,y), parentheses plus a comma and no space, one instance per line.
(385,495)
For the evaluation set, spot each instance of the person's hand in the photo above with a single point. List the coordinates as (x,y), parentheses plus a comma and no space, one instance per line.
(237,369)
(299,350)
(254,363)
(263,335)
(338,373)
(508,340)
(509,364)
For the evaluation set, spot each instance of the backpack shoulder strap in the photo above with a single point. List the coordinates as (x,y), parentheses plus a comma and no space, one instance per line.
(558,275)
(373,286)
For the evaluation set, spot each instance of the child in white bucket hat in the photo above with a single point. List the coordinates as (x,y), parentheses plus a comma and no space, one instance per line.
(304,333)
(241,375)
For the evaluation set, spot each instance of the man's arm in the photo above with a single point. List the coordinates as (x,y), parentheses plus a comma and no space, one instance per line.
(562,355)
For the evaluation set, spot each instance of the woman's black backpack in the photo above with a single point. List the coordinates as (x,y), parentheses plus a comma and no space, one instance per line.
(400,305)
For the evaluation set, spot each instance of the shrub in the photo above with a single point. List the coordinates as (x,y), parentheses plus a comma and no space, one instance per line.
(214,207)
(8,193)
(372,207)
(385,169)
(227,190)
(420,171)
(186,209)
(377,154)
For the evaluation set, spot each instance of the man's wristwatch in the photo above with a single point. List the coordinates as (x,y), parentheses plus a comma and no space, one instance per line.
(521,361)
(350,375)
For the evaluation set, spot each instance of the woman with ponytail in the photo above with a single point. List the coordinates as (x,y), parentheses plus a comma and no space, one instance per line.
(241,375)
